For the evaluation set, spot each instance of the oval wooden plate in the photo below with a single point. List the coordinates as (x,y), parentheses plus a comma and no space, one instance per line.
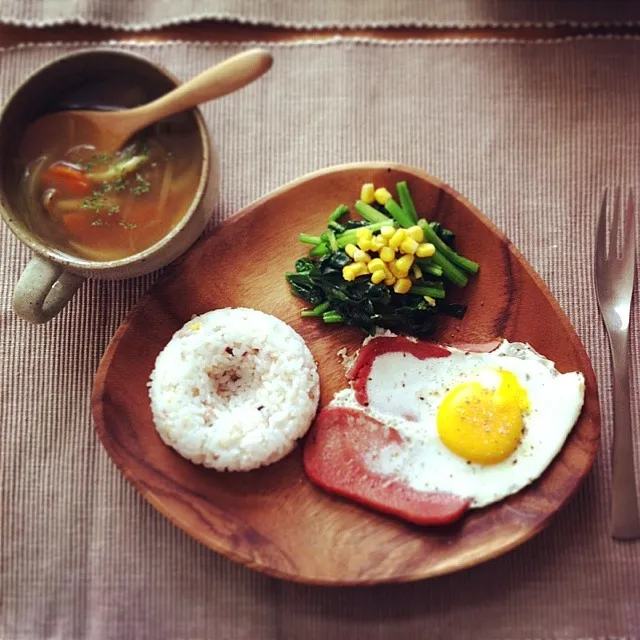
(273,519)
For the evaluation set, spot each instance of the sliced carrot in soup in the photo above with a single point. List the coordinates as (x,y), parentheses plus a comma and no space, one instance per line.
(69,181)
(77,223)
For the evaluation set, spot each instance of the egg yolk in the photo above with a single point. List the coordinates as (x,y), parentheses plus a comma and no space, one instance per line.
(483,423)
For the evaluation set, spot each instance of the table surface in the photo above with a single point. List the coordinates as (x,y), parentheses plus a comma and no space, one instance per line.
(210,31)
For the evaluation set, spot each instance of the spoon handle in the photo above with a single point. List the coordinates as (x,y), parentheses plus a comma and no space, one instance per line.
(226,77)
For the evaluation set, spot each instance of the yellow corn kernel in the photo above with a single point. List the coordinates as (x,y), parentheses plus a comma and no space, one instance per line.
(430,301)
(416,271)
(396,240)
(361,256)
(425,250)
(404,263)
(409,245)
(402,285)
(350,249)
(382,195)
(387,231)
(348,273)
(353,270)
(377,277)
(416,233)
(377,242)
(363,232)
(389,278)
(376,265)
(366,193)
(396,271)
(387,254)
(364,244)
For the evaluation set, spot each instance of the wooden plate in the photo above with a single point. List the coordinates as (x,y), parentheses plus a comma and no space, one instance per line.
(273,519)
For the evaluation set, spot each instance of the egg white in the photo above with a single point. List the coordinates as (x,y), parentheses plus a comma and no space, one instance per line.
(405,393)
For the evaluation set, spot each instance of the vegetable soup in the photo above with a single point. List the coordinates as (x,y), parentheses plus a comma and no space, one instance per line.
(103,207)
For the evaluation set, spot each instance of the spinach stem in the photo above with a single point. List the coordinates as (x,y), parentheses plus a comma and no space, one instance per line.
(316,311)
(309,239)
(398,213)
(319,250)
(428,267)
(426,290)
(369,213)
(406,201)
(332,317)
(449,270)
(333,243)
(431,236)
(340,211)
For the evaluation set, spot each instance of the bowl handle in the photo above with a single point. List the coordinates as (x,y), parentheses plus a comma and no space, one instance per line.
(43,290)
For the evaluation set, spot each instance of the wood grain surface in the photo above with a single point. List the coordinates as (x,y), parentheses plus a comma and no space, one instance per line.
(274,519)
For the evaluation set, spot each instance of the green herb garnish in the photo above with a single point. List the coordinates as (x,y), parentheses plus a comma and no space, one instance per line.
(101,158)
(95,202)
(96,158)
(141,186)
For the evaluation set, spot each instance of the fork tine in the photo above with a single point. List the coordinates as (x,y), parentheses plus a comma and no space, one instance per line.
(615,230)
(601,232)
(629,229)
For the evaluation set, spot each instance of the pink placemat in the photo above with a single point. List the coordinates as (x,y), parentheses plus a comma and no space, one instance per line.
(532,133)
(309,14)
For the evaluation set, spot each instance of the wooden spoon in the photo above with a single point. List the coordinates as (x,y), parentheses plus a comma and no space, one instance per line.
(107,131)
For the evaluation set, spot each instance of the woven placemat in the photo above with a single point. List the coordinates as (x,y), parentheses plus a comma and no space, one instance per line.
(144,14)
(531,133)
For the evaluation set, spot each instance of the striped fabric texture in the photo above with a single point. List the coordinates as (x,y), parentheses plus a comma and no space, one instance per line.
(531,132)
(143,14)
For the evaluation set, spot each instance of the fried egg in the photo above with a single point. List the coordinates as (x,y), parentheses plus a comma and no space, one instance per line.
(476,425)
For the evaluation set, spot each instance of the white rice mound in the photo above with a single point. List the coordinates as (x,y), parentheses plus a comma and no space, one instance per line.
(234,389)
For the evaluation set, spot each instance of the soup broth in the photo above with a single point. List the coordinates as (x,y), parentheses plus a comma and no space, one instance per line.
(104,207)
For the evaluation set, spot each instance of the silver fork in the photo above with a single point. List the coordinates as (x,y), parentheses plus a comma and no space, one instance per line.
(615,265)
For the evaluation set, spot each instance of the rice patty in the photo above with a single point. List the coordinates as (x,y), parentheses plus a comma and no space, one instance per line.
(234,389)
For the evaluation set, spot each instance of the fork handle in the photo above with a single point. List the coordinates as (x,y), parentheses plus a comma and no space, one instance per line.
(625,516)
